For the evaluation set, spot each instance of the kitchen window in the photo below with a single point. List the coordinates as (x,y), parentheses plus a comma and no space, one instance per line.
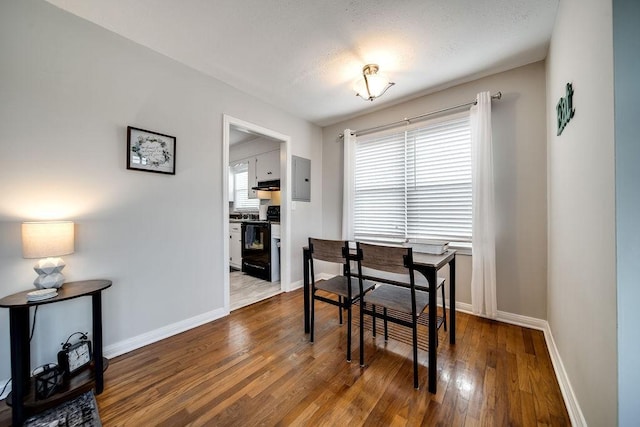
(414,183)
(241,200)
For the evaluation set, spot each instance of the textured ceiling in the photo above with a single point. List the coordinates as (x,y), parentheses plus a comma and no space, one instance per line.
(304,55)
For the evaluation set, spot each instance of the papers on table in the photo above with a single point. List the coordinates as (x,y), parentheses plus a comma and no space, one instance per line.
(428,246)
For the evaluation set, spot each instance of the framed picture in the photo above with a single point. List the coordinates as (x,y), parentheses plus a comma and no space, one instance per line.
(150,151)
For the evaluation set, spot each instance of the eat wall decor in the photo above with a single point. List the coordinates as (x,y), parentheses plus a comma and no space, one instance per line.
(565,109)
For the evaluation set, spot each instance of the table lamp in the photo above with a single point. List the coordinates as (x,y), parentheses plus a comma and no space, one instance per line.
(46,240)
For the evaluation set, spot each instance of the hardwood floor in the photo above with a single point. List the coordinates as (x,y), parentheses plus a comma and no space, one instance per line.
(256,367)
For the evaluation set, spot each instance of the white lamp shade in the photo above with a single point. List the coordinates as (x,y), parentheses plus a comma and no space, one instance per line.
(47,239)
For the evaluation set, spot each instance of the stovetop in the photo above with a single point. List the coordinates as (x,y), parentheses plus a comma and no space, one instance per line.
(244,216)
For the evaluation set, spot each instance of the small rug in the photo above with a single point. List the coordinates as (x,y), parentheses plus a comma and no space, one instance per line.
(81,411)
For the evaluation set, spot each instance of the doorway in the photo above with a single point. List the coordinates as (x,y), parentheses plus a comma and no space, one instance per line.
(232,127)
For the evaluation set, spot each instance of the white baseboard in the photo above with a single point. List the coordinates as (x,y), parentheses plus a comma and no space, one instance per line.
(295,285)
(503,316)
(150,337)
(299,284)
(573,407)
(570,400)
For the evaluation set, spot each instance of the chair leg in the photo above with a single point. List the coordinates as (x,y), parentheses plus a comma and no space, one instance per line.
(340,308)
(373,320)
(444,310)
(313,309)
(386,327)
(348,330)
(362,306)
(415,352)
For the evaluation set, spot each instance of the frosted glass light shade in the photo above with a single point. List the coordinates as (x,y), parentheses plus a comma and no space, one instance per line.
(47,240)
(372,84)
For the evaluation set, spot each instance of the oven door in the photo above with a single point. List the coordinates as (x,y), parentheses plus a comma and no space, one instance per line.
(256,249)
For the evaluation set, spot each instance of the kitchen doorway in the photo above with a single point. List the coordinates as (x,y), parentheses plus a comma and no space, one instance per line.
(242,288)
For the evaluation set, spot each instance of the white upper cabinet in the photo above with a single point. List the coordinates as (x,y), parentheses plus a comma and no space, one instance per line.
(268,166)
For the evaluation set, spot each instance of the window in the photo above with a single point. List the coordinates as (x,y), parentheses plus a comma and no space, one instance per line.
(414,183)
(241,201)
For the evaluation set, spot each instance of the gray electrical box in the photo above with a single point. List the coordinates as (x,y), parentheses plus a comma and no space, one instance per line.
(301,177)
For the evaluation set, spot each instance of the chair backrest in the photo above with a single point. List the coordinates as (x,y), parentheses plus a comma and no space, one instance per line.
(386,259)
(335,251)
(392,259)
(328,250)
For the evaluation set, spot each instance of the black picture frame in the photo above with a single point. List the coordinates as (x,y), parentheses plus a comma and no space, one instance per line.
(150,151)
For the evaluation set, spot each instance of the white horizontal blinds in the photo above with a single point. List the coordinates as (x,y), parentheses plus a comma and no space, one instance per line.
(241,188)
(439,181)
(415,183)
(379,184)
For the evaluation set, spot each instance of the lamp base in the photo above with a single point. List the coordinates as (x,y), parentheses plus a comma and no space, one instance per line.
(49,273)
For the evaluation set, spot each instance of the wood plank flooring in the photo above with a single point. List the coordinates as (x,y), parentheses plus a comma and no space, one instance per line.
(257,367)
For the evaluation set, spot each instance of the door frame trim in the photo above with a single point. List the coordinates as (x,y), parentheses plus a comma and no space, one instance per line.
(285,197)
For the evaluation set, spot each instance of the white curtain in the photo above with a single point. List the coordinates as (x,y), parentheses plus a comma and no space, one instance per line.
(483,275)
(348,184)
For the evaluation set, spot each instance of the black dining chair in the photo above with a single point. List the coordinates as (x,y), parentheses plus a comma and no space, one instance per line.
(395,293)
(346,287)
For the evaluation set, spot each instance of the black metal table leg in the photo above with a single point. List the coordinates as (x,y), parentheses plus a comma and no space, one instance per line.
(452,301)
(306,256)
(96,301)
(433,328)
(20,361)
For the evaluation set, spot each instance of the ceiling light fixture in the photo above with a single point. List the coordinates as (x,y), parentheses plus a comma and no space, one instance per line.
(372,85)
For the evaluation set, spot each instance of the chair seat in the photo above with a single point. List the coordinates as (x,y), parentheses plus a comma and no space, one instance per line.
(396,298)
(338,285)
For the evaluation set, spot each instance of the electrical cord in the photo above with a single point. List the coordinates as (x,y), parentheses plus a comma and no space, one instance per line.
(83,336)
(5,386)
(33,325)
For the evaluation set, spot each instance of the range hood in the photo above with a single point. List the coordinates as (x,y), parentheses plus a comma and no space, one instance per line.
(272,185)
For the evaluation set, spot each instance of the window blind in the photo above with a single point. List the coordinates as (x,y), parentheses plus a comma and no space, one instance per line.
(241,189)
(415,183)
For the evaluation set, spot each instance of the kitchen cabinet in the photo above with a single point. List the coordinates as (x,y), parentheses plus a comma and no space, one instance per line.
(301,179)
(268,166)
(275,252)
(235,245)
(263,167)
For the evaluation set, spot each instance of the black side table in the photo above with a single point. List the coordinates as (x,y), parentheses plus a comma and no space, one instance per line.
(22,397)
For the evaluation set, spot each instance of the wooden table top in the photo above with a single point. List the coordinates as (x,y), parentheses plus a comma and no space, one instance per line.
(67,291)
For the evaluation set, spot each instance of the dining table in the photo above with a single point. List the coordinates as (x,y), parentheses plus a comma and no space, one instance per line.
(428,265)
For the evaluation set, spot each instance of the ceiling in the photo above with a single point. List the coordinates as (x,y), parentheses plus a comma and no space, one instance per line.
(303,56)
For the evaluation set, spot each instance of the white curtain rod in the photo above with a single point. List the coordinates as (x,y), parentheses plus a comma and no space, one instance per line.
(421,116)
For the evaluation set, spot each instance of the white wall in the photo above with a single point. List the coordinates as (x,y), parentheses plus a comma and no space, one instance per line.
(69,90)
(581,190)
(520,173)
(626,44)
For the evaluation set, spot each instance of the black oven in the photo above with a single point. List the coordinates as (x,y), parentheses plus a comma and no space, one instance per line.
(256,249)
